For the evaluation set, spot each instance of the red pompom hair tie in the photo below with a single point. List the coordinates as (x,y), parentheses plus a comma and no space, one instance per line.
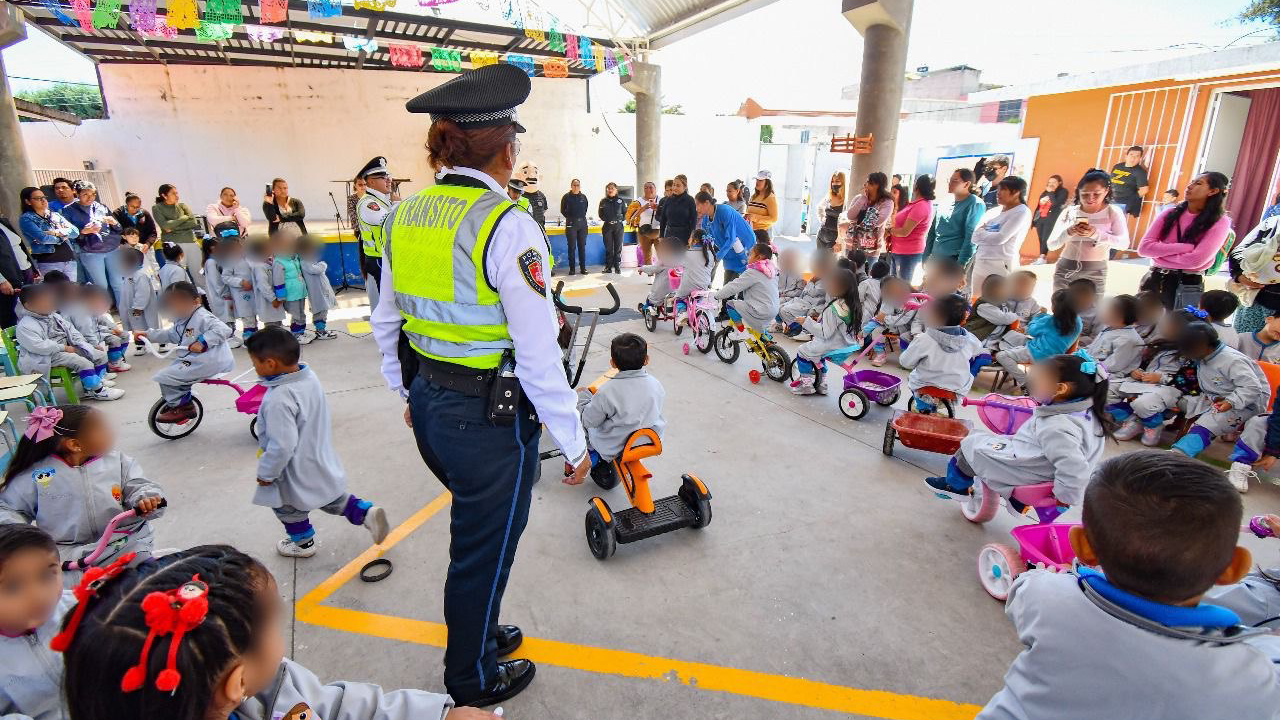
(92,581)
(175,612)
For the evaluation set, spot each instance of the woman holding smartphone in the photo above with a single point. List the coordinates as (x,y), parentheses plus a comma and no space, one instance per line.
(1087,231)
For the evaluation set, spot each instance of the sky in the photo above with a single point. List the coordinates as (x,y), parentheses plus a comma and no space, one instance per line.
(800,53)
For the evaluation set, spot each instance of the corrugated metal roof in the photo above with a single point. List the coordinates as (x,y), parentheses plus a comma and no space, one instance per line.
(122,44)
(661,22)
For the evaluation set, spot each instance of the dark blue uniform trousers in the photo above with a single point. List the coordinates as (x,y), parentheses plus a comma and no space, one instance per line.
(490,470)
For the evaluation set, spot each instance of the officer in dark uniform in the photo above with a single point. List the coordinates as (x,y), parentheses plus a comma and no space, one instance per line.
(476,348)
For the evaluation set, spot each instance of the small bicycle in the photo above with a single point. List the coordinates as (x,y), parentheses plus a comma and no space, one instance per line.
(248,400)
(112,538)
(776,361)
(668,309)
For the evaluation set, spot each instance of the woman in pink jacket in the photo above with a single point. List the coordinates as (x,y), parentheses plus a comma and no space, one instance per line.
(1183,240)
(227,208)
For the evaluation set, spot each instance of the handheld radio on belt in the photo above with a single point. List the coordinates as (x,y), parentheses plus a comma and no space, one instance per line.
(504,395)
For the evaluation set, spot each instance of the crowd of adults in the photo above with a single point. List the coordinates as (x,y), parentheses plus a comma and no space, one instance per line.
(64,227)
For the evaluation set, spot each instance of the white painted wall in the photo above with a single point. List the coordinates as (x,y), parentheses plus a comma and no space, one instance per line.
(203,127)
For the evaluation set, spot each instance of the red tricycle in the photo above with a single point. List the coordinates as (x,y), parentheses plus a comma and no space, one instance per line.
(248,400)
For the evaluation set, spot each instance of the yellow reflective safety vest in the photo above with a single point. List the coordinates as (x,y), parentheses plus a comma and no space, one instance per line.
(371,240)
(451,313)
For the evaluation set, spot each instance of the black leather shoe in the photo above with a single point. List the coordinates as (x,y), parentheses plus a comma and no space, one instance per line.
(509,639)
(513,677)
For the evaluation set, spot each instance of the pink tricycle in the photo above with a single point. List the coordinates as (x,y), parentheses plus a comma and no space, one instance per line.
(248,400)
(112,539)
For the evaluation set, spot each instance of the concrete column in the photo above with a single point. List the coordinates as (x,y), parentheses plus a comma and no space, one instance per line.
(645,83)
(885,26)
(15,167)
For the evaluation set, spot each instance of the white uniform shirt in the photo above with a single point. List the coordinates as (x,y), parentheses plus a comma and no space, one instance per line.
(373,207)
(531,320)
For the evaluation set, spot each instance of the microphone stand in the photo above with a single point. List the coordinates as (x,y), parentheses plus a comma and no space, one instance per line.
(342,256)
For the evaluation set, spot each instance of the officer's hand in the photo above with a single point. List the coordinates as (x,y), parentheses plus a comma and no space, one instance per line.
(580,472)
(408,417)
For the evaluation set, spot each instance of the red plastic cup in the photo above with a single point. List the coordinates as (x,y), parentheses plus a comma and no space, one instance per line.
(755,377)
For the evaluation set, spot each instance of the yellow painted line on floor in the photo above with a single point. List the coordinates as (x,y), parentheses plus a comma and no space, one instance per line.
(359,327)
(704,676)
(580,292)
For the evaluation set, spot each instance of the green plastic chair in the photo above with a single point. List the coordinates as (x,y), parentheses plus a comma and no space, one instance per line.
(59,377)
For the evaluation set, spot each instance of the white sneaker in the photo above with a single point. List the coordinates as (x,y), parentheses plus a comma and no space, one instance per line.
(376,521)
(139,350)
(1151,435)
(234,342)
(1239,475)
(326,335)
(120,366)
(289,548)
(820,385)
(803,386)
(305,338)
(104,393)
(1129,430)
(106,382)
(109,375)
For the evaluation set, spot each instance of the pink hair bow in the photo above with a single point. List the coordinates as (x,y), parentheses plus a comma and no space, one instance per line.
(42,422)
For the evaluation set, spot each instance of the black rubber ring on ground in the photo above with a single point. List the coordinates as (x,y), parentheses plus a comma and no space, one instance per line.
(371,577)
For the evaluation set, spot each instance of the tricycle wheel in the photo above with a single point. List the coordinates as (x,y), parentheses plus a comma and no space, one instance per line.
(981,505)
(604,475)
(998,566)
(173,431)
(792,371)
(253,427)
(890,435)
(726,348)
(945,406)
(853,403)
(650,318)
(705,333)
(886,402)
(777,363)
(600,535)
(698,500)
(679,326)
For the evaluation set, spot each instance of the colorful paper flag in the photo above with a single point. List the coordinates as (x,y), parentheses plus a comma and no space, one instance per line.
(84,14)
(480,58)
(624,66)
(223,11)
(264,33)
(58,9)
(183,14)
(597,53)
(375,5)
(524,62)
(311,36)
(106,14)
(571,46)
(142,15)
(406,56)
(324,8)
(211,31)
(584,50)
(555,39)
(446,60)
(555,68)
(538,35)
(273,11)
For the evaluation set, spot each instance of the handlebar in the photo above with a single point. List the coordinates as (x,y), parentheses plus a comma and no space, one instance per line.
(577,309)
(992,403)
(151,347)
(107,536)
(1257,527)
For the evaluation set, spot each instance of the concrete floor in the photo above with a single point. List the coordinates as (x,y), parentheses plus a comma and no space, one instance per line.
(826,561)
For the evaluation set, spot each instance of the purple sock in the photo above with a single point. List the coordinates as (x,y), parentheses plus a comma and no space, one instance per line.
(300,531)
(356,509)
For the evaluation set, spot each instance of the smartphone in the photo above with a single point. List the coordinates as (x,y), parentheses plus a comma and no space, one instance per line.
(268,189)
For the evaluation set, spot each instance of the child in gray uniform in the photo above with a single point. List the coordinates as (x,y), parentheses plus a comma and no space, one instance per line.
(203,351)
(237,273)
(298,469)
(174,269)
(46,340)
(268,309)
(759,303)
(1084,297)
(140,311)
(320,293)
(237,646)
(31,610)
(1061,443)
(1118,346)
(630,401)
(1231,382)
(1135,641)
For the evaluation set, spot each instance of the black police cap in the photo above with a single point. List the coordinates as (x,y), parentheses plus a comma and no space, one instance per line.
(480,98)
(376,166)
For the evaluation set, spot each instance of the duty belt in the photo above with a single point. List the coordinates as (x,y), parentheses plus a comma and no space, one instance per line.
(468,381)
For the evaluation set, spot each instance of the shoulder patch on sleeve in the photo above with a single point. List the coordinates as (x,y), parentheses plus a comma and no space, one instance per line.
(374,206)
(530,262)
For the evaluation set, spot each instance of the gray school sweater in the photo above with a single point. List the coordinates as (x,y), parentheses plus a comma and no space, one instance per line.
(235,274)
(297,694)
(204,326)
(295,435)
(1229,375)
(140,295)
(1118,349)
(759,303)
(31,673)
(40,337)
(1081,662)
(74,504)
(632,400)
(319,292)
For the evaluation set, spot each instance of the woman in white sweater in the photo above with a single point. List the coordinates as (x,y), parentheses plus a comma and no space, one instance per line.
(996,241)
(1087,232)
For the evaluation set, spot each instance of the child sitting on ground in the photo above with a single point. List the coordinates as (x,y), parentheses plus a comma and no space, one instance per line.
(630,401)
(1022,287)
(790,279)
(47,340)
(793,312)
(1084,298)
(869,291)
(298,469)
(759,304)
(1047,335)
(320,293)
(1265,344)
(67,477)
(238,274)
(174,269)
(940,356)
(1221,305)
(835,328)
(1164,380)
(670,256)
(1231,382)
(1150,311)
(203,351)
(31,610)
(991,316)
(893,318)
(1164,530)
(140,311)
(287,283)
(1061,443)
(232,658)
(1118,346)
